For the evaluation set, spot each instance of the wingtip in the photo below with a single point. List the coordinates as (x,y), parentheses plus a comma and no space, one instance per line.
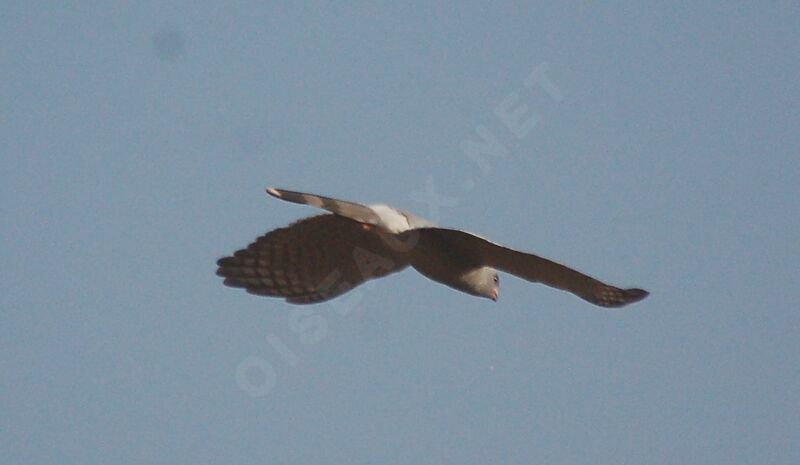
(636,295)
(274,192)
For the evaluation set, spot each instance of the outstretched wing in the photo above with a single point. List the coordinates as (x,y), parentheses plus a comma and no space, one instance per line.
(536,269)
(352,210)
(311,260)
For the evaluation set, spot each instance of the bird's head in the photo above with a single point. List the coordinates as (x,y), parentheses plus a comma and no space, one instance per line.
(482,282)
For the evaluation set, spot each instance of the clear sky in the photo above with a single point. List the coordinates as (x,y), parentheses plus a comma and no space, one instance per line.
(653,145)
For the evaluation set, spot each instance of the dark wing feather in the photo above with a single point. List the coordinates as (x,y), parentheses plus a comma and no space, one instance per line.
(311,260)
(537,269)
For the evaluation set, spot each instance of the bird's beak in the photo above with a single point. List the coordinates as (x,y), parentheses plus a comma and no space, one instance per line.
(495,294)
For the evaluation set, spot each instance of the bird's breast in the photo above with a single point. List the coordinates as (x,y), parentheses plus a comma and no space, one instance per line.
(439,260)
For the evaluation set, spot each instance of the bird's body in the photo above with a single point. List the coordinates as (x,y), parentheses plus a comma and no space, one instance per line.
(321,257)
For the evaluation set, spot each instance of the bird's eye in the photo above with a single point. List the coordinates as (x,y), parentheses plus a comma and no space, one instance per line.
(496,279)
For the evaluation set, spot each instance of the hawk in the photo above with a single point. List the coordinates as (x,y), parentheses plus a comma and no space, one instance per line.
(318,258)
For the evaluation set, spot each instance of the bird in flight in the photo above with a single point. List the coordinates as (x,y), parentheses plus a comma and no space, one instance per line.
(318,258)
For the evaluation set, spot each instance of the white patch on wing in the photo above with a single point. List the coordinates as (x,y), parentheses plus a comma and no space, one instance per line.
(415,221)
(391,219)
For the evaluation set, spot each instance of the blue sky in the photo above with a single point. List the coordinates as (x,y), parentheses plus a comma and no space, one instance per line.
(660,148)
